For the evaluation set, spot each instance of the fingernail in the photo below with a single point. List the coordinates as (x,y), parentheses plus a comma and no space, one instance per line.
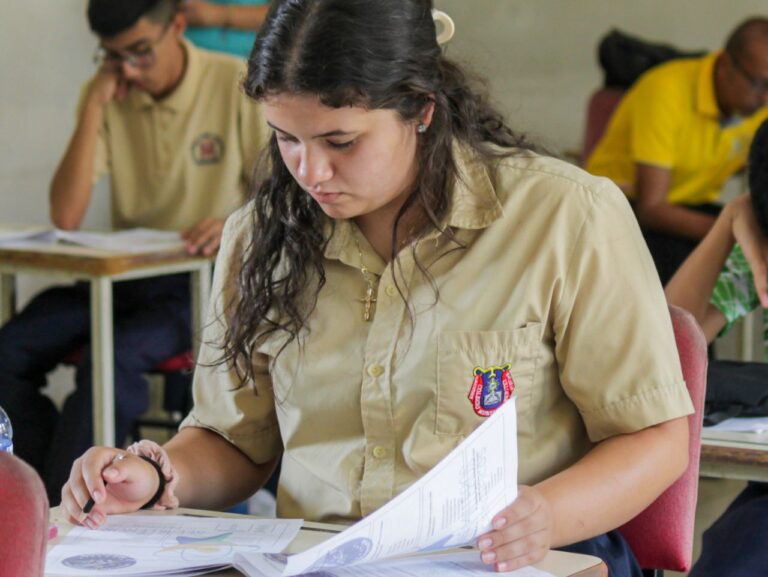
(97,496)
(503,566)
(98,518)
(499,523)
(488,557)
(485,544)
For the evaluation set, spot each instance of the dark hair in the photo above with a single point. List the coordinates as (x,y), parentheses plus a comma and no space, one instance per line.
(744,34)
(758,176)
(365,53)
(108,18)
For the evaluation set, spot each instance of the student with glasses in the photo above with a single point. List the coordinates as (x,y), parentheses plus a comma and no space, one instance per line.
(169,125)
(679,133)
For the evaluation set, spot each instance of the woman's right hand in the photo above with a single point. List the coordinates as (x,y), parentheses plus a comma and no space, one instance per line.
(117,481)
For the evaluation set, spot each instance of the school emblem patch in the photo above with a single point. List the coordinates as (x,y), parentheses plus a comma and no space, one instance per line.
(207,149)
(491,388)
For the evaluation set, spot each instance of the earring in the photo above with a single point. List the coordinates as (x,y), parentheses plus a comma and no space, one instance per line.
(421,128)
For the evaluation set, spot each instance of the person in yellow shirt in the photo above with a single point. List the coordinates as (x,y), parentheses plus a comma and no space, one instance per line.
(679,133)
(405,265)
(171,127)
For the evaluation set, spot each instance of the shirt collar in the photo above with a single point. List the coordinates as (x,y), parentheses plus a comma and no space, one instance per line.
(474,205)
(183,96)
(706,100)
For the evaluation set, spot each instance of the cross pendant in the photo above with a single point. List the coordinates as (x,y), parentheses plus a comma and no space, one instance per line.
(369,301)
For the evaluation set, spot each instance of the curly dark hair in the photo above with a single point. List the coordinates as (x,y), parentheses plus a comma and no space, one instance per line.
(758,176)
(363,53)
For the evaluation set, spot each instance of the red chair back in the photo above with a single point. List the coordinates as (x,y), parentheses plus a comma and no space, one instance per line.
(661,537)
(601,106)
(24,519)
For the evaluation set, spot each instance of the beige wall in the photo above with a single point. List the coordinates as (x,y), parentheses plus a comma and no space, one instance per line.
(541,54)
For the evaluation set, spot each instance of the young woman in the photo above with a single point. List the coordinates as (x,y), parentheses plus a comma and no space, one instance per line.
(402,244)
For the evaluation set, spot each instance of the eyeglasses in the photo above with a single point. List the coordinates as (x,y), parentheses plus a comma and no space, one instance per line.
(759,85)
(142,58)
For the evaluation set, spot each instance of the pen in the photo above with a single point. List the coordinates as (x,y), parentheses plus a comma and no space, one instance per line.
(89,504)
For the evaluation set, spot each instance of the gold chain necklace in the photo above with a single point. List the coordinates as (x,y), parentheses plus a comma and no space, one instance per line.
(369,300)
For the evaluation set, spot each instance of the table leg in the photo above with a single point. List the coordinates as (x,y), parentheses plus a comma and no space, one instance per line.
(7,296)
(103,362)
(201,293)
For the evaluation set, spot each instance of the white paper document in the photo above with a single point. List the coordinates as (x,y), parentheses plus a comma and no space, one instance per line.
(466,564)
(448,507)
(742,425)
(147,545)
(132,241)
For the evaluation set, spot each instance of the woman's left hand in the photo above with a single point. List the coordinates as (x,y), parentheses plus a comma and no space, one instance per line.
(522,532)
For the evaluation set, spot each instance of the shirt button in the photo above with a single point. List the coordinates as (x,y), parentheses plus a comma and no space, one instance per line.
(379,452)
(375,370)
(391,290)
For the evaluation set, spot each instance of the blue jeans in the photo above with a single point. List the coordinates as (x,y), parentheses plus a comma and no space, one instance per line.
(152,323)
(735,544)
(613,550)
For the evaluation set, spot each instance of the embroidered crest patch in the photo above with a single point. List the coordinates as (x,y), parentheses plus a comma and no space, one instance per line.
(491,387)
(207,149)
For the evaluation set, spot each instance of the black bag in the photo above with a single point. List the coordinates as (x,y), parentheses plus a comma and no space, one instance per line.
(624,58)
(735,389)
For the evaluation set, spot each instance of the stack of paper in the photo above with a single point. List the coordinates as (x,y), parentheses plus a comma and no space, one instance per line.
(132,241)
(448,507)
(149,545)
(742,425)
(467,564)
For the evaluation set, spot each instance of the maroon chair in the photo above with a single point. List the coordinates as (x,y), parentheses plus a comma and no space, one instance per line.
(24,519)
(600,109)
(661,537)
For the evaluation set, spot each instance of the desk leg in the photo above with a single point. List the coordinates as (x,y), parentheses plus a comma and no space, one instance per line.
(7,296)
(103,362)
(201,293)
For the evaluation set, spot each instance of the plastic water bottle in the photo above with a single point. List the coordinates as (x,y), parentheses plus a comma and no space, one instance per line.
(6,432)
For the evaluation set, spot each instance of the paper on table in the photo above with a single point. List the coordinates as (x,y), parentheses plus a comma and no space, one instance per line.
(742,425)
(133,241)
(144,545)
(466,564)
(449,506)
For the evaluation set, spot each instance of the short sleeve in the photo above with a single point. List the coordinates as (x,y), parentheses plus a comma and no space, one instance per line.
(615,346)
(655,118)
(734,294)
(244,414)
(101,161)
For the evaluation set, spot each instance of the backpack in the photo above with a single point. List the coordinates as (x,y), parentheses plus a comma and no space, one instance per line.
(735,389)
(624,58)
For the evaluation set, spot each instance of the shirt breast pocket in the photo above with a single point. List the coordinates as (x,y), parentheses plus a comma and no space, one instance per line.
(478,370)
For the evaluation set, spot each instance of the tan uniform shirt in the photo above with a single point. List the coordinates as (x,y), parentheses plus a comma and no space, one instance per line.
(176,161)
(554,283)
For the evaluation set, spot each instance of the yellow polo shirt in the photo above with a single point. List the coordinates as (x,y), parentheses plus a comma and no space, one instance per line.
(189,156)
(553,284)
(670,119)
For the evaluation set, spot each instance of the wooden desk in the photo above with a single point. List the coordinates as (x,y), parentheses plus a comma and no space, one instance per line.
(102,269)
(556,562)
(730,455)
